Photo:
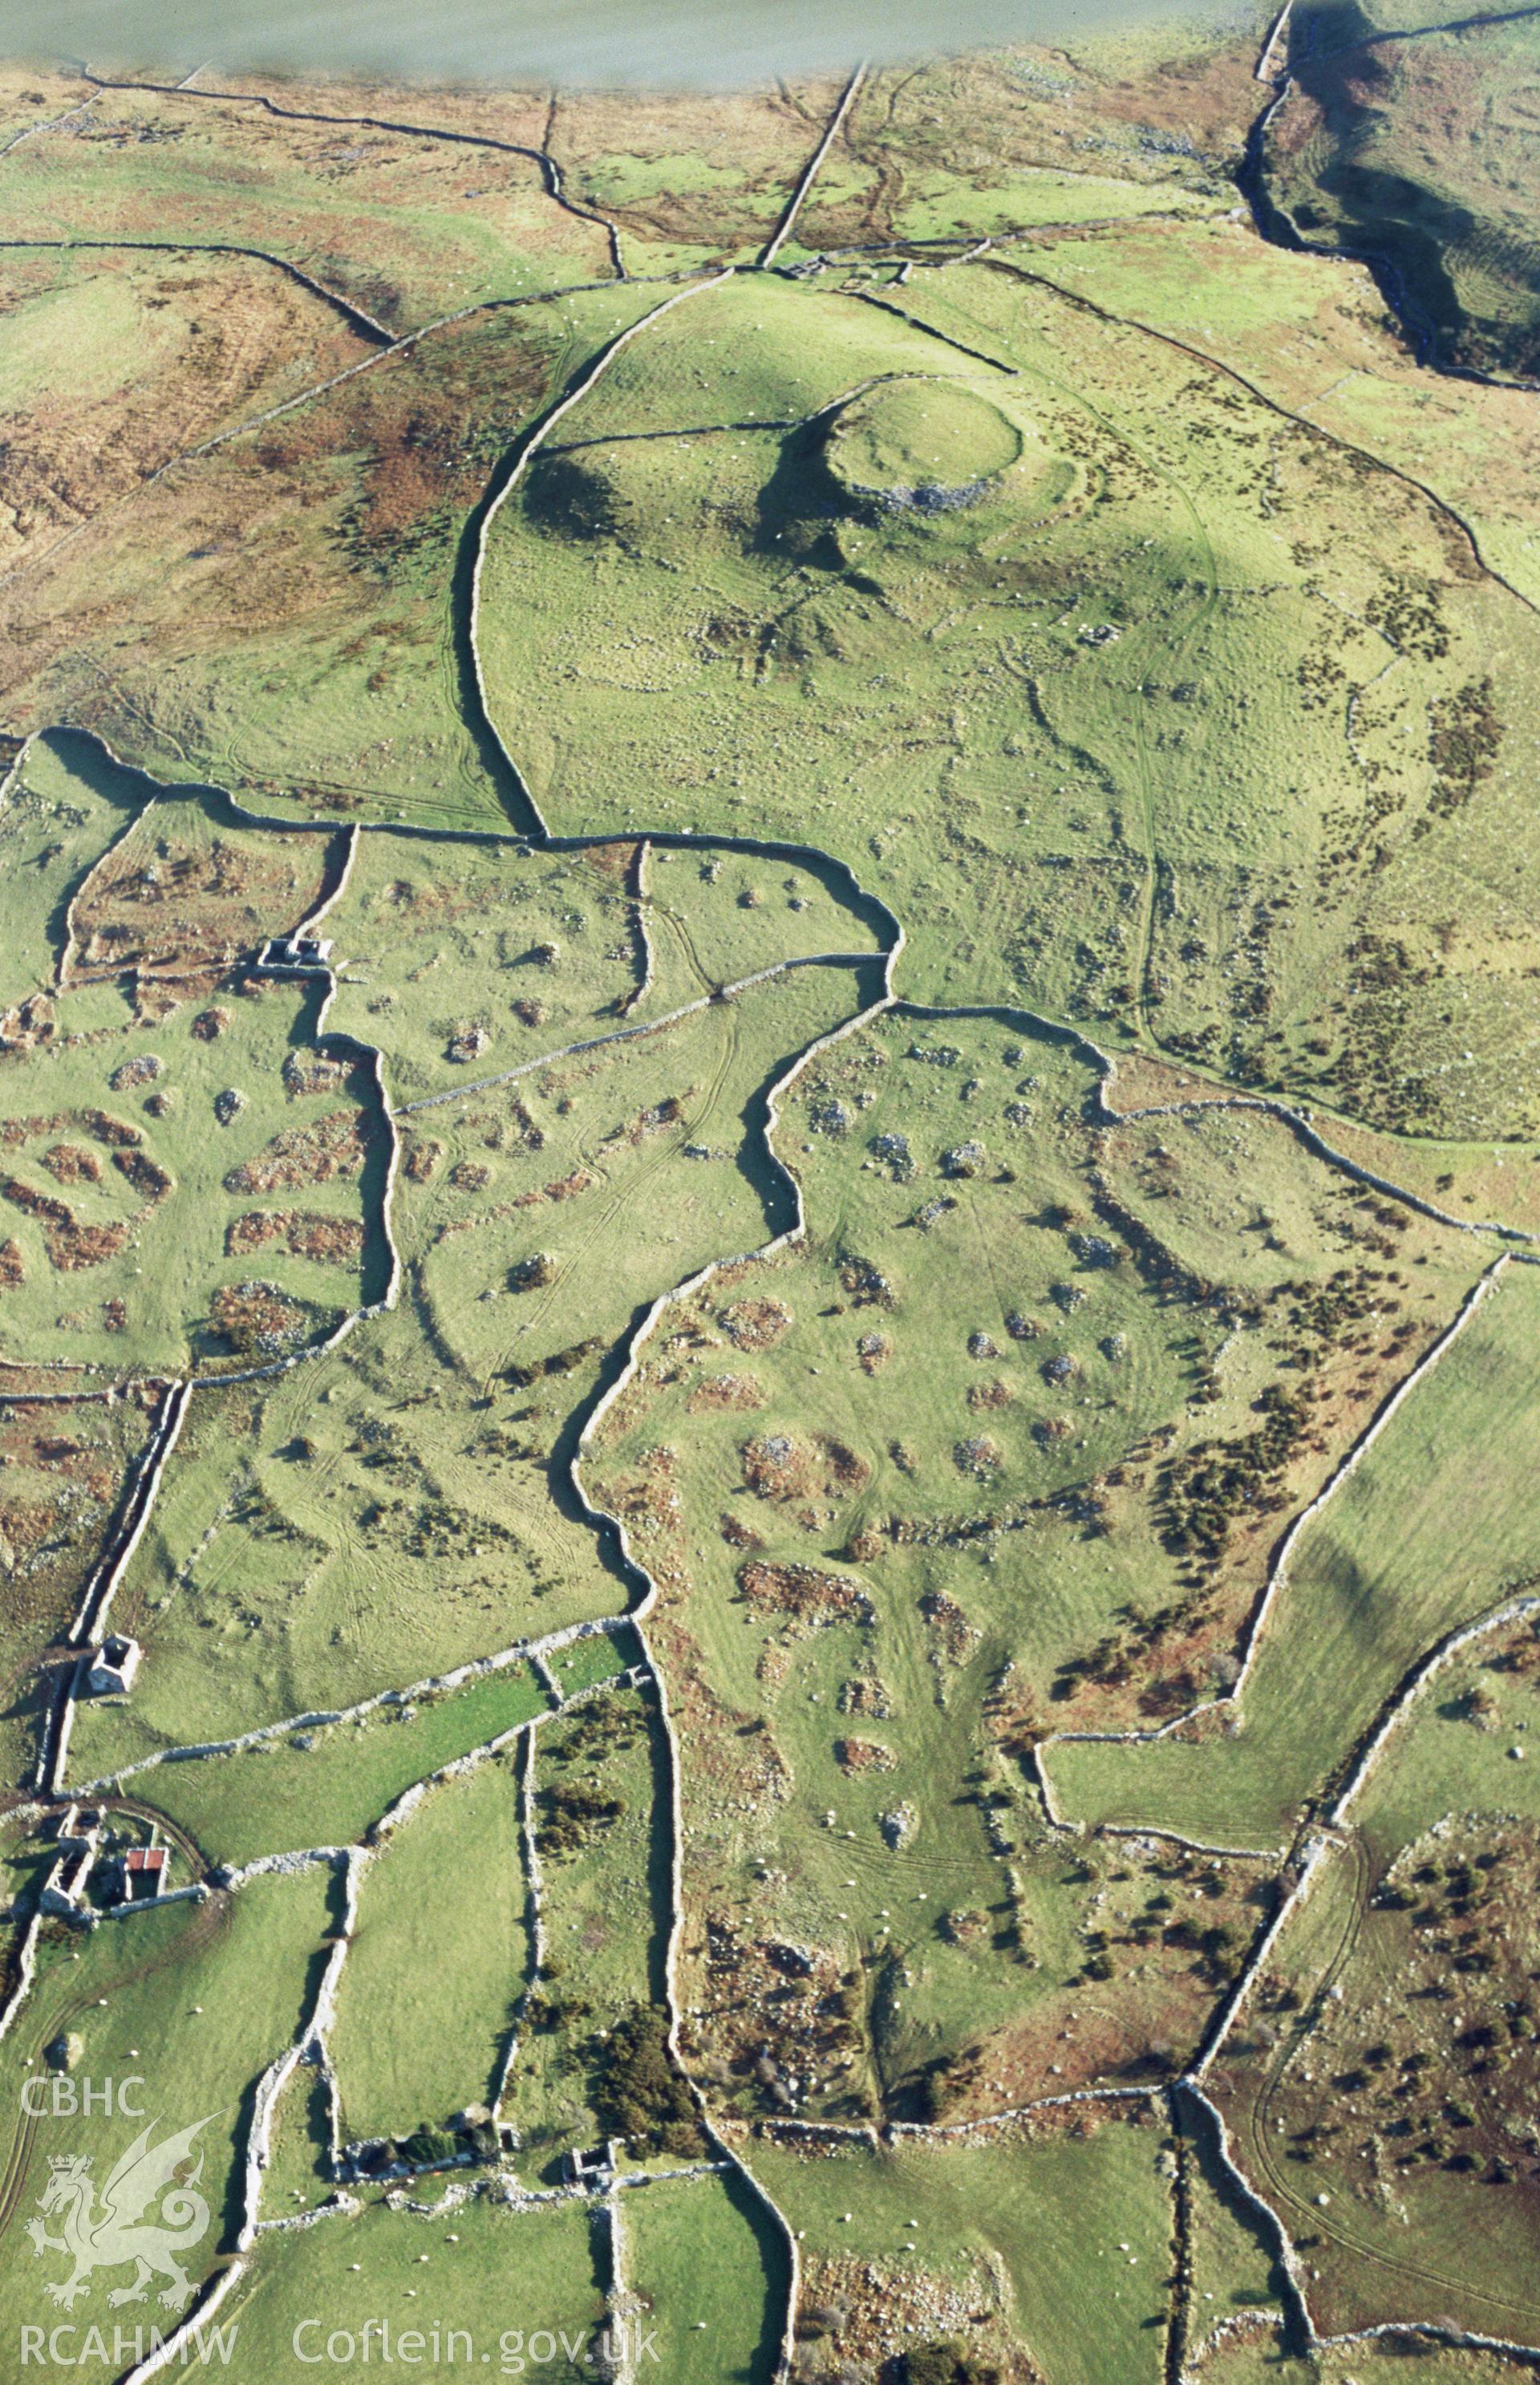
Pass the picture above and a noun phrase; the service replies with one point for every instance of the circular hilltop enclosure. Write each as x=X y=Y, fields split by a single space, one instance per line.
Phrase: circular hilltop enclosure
x=914 y=440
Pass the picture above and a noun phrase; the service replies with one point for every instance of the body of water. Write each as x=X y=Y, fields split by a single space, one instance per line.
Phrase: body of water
x=713 y=43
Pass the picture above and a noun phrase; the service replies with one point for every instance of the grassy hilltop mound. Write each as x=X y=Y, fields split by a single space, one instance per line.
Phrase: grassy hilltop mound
x=920 y=443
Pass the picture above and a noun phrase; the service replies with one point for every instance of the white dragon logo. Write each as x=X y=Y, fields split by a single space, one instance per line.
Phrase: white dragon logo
x=109 y=2238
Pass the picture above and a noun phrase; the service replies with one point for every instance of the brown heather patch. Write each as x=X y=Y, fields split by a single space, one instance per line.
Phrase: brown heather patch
x=70 y=1245
x=756 y=1324
x=156 y=999
x=149 y=1180
x=315 y=1074
x=12 y=1267
x=1141 y=1082
x=802 y=1591
x=31 y=1437
x=284 y=528
x=67 y=1164
x=422 y=440
x=617 y=861
x=647 y=1501
x=257 y=1317
x=774 y=1663
x=332 y=1241
x=97 y=1123
x=421 y=1160
x=210 y=1024
x=761 y=2008
x=783 y=1466
x=778 y=1466
x=564 y=1188
x=33 y=1204
x=15 y=1132
x=74 y=455
x=115 y=1133
x=866 y=1694
x=863 y=1755
x=76 y=1246
x=845 y=1471
x=1418 y=2076
x=726 y=1752
x=24 y=1525
x=47 y=1544
x=1210 y=95
x=530 y=1135
x=656 y=1119
x=334 y=1145
x=753 y=144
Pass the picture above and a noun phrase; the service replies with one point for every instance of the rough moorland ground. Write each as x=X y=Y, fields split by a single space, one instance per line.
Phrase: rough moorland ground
x=1399 y=140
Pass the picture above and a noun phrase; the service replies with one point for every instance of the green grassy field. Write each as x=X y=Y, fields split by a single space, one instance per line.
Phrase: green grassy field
x=948 y=1177
x=1453 y=1754
x=205 y=1225
x=955 y=148
x=433 y=1973
x=173 y=1115
x=1378 y=2123
x=196 y=2002
x=440 y=940
x=316 y=674
x=1313 y=344
x=1230 y=2269
x=280 y=1794
x=596 y=1658
x=499 y=2276
x=229 y=174
x=710 y=2273
x=1247 y=2362
x=298 y=2176
x=560 y=1207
